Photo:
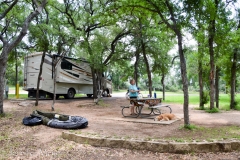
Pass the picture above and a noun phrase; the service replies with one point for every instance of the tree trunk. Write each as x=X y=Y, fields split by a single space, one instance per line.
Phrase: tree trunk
x=233 y=75
x=184 y=78
x=94 y=79
x=212 y=64
x=174 y=26
x=39 y=78
x=148 y=68
x=54 y=83
x=100 y=84
x=200 y=77
x=233 y=79
x=211 y=35
x=217 y=87
x=16 y=70
x=136 y=67
x=3 y=62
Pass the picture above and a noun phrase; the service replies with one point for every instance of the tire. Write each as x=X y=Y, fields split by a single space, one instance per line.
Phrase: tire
x=32 y=121
x=70 y=93
x=104 y=94
x=75 y=122
x=61 y=121
x=89 y=95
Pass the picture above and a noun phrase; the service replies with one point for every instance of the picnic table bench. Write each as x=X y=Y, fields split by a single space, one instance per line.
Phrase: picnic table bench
x=153 y=104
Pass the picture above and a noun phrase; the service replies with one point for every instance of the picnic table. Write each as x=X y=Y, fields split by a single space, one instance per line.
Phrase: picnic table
x=153 y=105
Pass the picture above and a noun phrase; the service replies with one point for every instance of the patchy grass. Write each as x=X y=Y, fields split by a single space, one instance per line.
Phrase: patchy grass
x=213 y=110
x=208 y=134
x=101 y=103
x=194 y=134
x=21 y=96
x=189 y=127
x=5 y=115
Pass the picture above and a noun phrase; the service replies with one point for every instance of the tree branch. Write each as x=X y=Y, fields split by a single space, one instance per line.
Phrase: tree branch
x=174 y=59
x=114 y=43
x=25 y=26
x=8 y=9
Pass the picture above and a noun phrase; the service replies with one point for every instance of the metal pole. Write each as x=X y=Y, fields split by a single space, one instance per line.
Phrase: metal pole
x=17 y=90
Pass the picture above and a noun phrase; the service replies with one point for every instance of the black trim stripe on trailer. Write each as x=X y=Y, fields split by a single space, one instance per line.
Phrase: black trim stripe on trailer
x=74 y=65
x=47 y=61
x=69 y=76
x=82 y=72
x=75 y=75
x=88 y=80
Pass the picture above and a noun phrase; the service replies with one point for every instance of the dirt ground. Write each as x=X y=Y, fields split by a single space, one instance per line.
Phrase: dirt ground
x=41 y=142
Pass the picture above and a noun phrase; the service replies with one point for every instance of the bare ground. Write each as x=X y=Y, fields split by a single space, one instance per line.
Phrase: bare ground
x=41 y=142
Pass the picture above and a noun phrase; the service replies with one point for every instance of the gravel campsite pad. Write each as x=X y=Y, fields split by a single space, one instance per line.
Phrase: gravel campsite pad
x=41 y=142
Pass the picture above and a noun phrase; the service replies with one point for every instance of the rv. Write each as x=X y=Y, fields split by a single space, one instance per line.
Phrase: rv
x=73 y=76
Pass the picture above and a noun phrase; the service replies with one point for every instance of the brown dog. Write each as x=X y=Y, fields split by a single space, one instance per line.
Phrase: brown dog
x=166 y=117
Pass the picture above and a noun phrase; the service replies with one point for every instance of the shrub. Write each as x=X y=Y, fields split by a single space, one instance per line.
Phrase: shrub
x=206 y=97
x=213 y=110
x=189 y=127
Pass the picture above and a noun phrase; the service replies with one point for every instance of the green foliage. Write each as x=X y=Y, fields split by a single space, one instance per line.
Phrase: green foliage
x=172 y=88
x=5 y=115
x=21 y=96
x=237 y=105
x=206 y=97
x=189 y=127
x=213 y=110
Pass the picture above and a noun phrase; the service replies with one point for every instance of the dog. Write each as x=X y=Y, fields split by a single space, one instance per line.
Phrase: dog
x=166 y=117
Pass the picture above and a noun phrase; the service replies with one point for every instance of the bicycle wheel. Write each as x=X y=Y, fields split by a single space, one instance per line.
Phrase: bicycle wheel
x=127 y=96
x=125 y=111
x=140 y=96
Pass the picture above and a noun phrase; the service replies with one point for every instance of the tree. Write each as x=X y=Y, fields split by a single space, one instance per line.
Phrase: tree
x=234 y=67
x=9 y=9
x=175 y=23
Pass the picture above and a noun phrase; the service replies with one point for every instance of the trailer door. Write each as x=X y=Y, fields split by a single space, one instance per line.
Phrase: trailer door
x=32 y=65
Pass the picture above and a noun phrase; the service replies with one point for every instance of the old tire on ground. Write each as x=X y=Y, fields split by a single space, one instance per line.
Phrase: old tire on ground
x=32 y=121
x=74 y=122
x=60 y=120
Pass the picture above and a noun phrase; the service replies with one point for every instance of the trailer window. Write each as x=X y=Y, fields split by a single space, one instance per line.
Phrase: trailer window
x=66 y=65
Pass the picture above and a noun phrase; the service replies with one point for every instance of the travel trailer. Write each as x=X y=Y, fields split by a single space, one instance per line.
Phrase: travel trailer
x=73 y=76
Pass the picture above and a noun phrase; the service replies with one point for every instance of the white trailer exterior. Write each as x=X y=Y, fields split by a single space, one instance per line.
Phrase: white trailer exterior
x=73 y=76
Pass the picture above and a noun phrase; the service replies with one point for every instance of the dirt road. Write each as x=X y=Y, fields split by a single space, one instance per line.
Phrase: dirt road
x=41 y=142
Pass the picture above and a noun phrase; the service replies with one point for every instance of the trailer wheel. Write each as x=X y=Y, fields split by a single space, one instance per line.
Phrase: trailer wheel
x=89 y=95
x=71 y=93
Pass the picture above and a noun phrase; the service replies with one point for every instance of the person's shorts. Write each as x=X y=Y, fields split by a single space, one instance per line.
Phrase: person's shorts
x=132 y=98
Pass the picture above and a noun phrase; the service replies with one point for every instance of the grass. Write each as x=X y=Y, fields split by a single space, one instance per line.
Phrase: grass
x=21 y=96
x=5 y=115
x=211 y=134
x=214 y=110
x=170 y=97
x=189 y=127
x=177 y=98
x=194 y=134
